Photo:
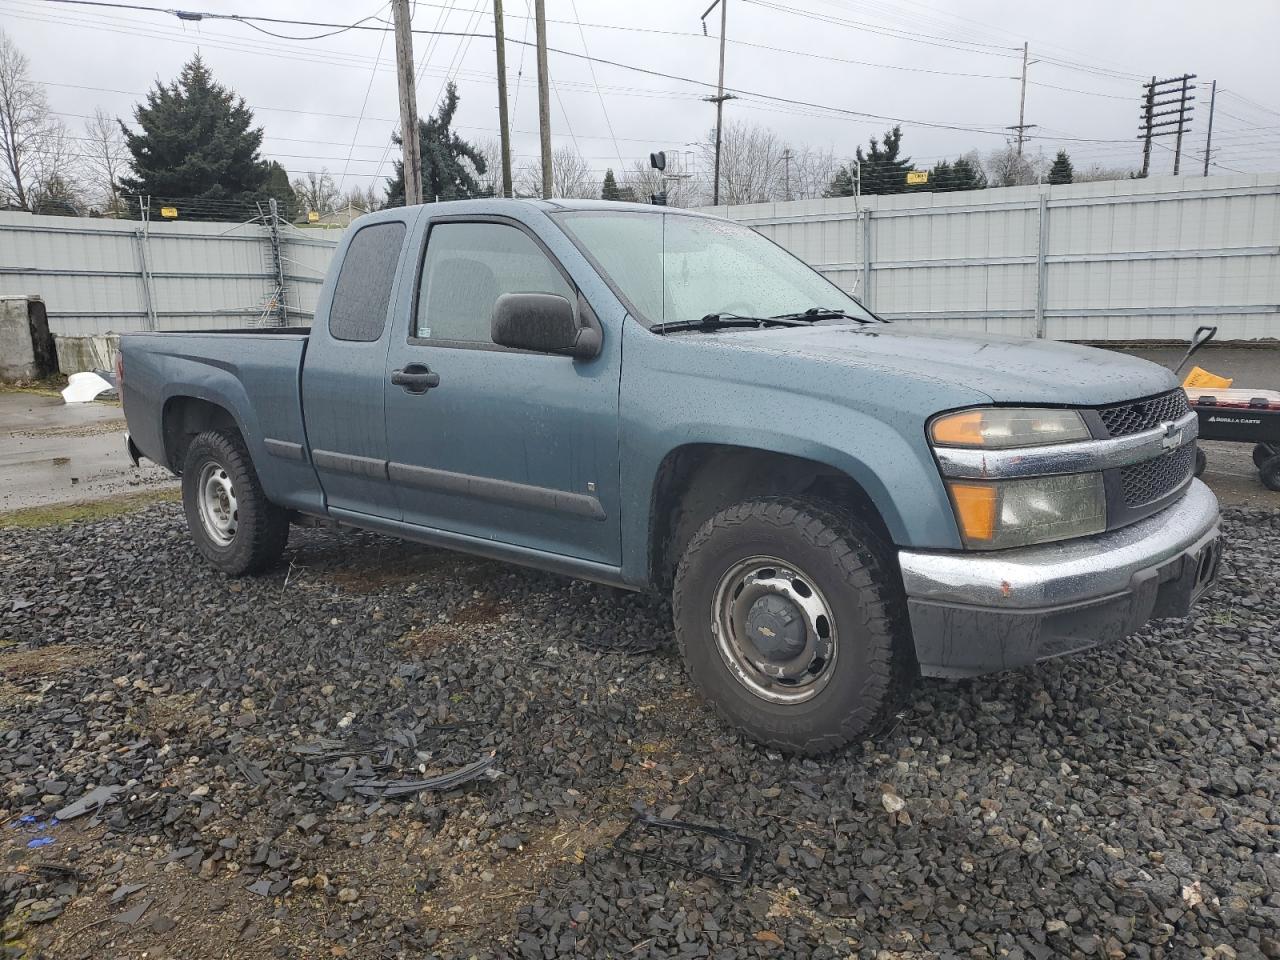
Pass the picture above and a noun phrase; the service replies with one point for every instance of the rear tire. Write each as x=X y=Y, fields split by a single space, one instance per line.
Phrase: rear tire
x=1201 y=462
x=234 y=526
x=1270 y=473
x=1262 y=453
x=792 y=622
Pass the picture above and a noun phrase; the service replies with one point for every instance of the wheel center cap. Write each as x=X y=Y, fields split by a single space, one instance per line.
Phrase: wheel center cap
x=776 y=628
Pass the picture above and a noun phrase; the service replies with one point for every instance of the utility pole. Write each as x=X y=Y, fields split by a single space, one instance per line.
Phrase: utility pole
x=1148 y=100
x=786 y=159
x=504 y=126
x=1208 y=137
x=720 y=96
x=411 y=149
x=1182 y=112
x=1177 y=91
x=1022 y=126
x=1022 y=100
x=544 y=96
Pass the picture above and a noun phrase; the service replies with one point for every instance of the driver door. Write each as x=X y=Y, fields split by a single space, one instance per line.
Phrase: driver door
x=491 y=442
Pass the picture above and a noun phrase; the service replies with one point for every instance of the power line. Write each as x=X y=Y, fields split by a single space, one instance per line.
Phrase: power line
x=591 y=66
x=363 y=106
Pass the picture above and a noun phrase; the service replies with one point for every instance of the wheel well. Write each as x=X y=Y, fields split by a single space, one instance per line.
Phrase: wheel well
x=187 y=417
x=699 y=480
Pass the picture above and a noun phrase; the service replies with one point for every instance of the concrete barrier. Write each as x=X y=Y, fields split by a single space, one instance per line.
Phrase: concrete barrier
x=80 y=354
x=27 y=350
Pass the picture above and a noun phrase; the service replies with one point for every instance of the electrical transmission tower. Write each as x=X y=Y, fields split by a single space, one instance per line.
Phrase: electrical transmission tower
x=1174 y=93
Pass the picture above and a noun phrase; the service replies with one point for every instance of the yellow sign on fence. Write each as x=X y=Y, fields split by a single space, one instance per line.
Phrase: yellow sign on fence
x=917 y=177
x=313 y=216
x=169 y=213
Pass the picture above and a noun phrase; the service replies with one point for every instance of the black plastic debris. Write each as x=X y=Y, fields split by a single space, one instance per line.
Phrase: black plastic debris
x=134 y=914
x=708 y=851
x=94 y=800
x=261 y=887
x=124 y=891
x=446 y=781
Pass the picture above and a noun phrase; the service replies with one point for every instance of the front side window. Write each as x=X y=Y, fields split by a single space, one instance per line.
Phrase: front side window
x=674 y=267
x=363 y=290
x=467 y=267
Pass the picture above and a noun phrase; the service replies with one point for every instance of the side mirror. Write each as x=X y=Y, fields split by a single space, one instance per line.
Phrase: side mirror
x=543 y=322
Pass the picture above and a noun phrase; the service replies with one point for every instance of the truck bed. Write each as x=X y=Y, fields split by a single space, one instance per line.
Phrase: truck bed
x=254 y=373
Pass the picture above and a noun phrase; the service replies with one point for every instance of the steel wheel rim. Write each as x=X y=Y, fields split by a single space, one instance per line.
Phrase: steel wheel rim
x=776 y=675
x=219 y=510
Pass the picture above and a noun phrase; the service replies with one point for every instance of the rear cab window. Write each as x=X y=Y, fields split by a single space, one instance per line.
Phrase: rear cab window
x=363 y=291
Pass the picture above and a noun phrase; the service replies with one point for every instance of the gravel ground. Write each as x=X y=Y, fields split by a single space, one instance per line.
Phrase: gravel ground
x=1120 y=803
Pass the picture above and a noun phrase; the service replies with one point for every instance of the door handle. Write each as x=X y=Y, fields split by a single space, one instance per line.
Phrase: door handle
x=415 y=378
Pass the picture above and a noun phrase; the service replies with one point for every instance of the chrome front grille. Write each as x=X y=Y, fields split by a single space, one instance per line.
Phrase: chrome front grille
x=1127 y=418
x=1147 y=482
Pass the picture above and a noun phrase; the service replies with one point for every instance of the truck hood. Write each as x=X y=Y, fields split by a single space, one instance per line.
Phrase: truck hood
x=1006 y=369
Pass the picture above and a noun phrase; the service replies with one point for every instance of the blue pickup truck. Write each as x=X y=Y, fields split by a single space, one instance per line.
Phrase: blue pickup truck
x=662 y=400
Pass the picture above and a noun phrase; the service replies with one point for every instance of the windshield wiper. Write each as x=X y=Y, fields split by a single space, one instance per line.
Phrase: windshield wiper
x=722 y=321
x=825 y=313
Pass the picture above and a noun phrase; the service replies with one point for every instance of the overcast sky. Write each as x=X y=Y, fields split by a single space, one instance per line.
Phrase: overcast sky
x=931 y=61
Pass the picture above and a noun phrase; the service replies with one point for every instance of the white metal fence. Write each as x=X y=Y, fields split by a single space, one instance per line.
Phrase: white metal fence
x=1114 y=260
x=100 y=276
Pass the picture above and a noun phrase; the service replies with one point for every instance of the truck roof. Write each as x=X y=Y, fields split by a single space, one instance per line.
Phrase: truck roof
x=495 y=204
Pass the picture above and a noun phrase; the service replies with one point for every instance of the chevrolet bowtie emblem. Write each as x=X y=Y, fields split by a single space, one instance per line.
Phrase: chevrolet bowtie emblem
x=1172 y=435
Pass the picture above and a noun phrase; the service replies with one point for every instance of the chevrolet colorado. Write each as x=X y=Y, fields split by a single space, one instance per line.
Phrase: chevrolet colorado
x=664 y=400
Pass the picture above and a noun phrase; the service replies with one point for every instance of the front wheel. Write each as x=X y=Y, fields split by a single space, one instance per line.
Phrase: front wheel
x=234 y=526
x=792 y=622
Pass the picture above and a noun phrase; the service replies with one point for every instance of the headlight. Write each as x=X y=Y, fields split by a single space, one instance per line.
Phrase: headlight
x=1015 y=513
x=1007 y=427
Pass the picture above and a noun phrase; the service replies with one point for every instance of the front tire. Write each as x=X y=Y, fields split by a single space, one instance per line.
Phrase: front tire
x=234 y=526
x=792 y=622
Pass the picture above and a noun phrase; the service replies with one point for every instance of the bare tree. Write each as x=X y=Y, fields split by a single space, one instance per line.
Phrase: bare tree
x=812 y=171
x=1096 y=171
x=1008 y=168
x=751 y=164
x=105 y=158
x=28 y=131
x=570 y=176
x=641 y=182
x=362 y=199
x=316 y=191
x=490 y=149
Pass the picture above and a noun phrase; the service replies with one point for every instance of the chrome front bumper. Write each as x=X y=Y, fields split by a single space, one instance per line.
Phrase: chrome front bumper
x=976 y=613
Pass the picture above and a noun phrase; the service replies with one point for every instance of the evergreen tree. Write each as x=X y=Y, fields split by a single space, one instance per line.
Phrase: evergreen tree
x=278 y=188
x=841 y=184
x=196 y=141
x=960 y=174
x=883 y=170
x=444 y=175
x=1061 y=171
x=610 y=190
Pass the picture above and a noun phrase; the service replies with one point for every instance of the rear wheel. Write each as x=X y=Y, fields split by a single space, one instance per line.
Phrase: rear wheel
x=1201 y=462
x=792 y=623
x=1270 y=473
x=1262 y=453
x=232 y=522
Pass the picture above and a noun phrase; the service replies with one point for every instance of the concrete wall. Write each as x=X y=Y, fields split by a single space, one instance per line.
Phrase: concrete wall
x=1113 y=260
x=79 y=354
x=26 y=347
x=110 y=276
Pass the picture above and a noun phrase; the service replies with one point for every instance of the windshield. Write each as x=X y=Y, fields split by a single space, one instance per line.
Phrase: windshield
x=674 y=267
